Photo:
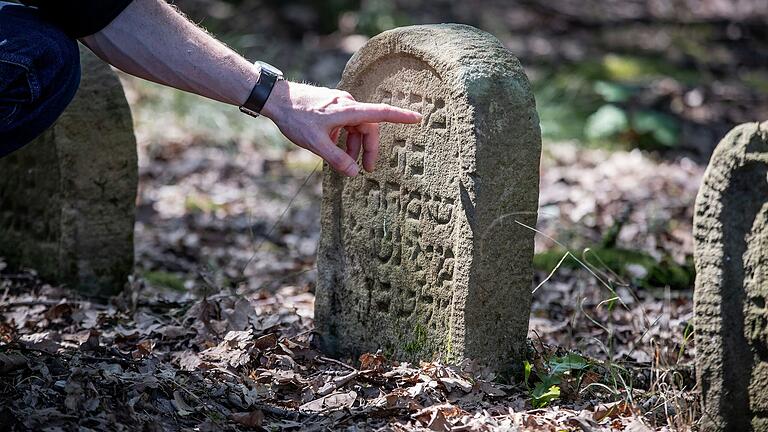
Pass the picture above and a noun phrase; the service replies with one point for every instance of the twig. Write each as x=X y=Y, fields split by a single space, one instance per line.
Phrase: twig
x=282 y=412
x=225 y=372
x=334 y=361
x=200 y=401
x=270 y=284
x=338 y=382
x=301 y=333
x=122 y=361
x=586 y=267
x=279 y=219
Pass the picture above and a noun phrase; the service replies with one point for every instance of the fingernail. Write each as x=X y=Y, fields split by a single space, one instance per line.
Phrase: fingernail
x=353 y=170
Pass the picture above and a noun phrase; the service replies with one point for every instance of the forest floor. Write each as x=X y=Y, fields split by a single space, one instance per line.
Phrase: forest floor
x=215 y=331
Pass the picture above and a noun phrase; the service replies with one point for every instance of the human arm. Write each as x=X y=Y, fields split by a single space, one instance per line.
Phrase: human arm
x=151 y=40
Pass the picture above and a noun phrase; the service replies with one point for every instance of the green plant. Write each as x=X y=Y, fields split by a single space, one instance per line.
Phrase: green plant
x=687 y=336
x=165 y=279
x=542 y=395
x=564 y=371
x=376 y=16
x=595 y=102
x=648 y=129
x=607 y=122
x=617 y=380
x=568 y=363
x=639 y=267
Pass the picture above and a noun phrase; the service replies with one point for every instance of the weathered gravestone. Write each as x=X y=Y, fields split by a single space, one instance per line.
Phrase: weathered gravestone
x=67 y=199
x=731 y=251
x=423 y=258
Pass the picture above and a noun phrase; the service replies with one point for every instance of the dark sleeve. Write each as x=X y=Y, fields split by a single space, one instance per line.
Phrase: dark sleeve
x=79 y=18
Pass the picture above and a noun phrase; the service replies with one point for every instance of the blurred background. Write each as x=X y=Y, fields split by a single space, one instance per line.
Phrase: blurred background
x=664 y=75
x=633 y=96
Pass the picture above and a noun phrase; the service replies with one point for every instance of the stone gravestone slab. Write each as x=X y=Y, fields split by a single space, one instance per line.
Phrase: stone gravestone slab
x=731 y=252
x=423 y=258
x=67 y=200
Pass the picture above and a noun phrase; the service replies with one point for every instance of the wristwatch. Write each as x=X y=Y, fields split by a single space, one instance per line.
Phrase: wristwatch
x=268 y=77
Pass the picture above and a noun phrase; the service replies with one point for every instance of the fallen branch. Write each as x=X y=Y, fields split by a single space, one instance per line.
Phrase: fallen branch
x=334 y=361
x=337 y=383
x=280 y=412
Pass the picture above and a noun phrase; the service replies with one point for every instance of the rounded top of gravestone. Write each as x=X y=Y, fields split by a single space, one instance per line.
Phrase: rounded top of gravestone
x=461 y=55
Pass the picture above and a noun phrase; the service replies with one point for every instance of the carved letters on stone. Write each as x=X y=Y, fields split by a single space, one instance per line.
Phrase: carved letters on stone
x=422 y=257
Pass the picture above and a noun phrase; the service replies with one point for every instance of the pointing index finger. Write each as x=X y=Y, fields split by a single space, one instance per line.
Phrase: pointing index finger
x=377 y=113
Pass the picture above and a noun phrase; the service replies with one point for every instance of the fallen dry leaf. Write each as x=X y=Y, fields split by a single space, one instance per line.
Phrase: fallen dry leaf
x=330 y=402
x=11 y=362
x=373 y=362
x=252 y=419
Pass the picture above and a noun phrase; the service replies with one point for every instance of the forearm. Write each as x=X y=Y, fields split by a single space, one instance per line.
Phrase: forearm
x=149 y=39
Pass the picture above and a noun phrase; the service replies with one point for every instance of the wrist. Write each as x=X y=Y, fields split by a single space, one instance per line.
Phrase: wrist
x=245 y=87
x=278 y=101
x=269 y=77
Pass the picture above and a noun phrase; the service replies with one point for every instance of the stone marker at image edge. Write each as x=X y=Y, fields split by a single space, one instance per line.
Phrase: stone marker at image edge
x=423 y=258
x=67 y=199
x=731 y=252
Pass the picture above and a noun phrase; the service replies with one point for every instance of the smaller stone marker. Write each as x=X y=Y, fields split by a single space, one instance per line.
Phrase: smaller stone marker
x=731 y=253
x=423 y=258
x=67 y=200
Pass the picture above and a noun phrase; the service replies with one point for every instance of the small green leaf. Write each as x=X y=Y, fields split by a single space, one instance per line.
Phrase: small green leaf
x=567 y=363
x=527 y=368
x=613 y=92
x=662 y=127
x=548 y=380
x=542 y=395
x=606 y=122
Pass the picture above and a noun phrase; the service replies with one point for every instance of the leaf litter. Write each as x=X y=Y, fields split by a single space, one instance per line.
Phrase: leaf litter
x=234 y=351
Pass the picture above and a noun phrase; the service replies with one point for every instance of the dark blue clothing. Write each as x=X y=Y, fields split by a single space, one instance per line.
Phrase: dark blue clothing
x=79 y=18
x=40 y=61
x=39 y=75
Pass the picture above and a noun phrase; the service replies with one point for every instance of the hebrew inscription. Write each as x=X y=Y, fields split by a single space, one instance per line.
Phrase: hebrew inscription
x=399 y=260
x=407 y=224
x=731 y=251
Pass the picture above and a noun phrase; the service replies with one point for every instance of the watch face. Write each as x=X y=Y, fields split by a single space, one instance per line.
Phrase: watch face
x=270 y=68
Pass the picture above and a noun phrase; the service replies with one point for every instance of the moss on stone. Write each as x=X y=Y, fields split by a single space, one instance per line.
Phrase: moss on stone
x=418 y=340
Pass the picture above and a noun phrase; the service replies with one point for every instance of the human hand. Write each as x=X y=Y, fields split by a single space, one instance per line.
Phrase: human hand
x=313 y=117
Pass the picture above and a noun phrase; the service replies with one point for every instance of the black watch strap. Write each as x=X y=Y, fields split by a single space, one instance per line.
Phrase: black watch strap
x=260 y=92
